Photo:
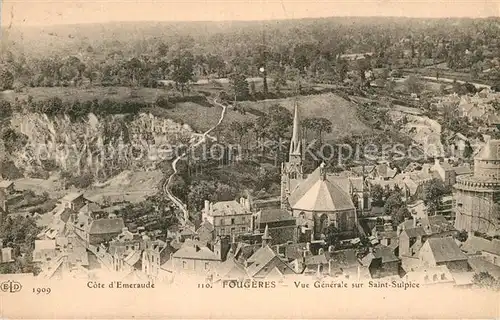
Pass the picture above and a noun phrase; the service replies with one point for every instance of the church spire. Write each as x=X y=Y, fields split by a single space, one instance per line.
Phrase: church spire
x=295 y=143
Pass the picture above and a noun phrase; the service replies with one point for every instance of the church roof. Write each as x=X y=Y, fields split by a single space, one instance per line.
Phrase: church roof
x=490 y=151
x=318 y=194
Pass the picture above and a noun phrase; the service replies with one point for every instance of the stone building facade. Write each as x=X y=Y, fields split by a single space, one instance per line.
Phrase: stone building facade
x=477 y=196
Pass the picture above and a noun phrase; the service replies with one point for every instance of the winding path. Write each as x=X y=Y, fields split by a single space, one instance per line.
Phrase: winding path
x=203 y=138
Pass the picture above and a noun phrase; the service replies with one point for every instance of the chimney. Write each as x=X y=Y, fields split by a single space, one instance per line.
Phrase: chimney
x=207 y=207
x=242 y=201
x=322 y=171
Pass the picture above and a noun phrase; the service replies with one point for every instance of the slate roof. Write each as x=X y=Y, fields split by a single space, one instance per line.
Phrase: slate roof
x=415 y=232
x=475 y=244
x=445 y=250
x=105 y=226
x=228 y=208
x=381 y=251
x=273 y=215
x=4 y=184
x=260 y=259
x=344 y=258
x=230 y=269
x=478 y=264
x=315 y=260
x=318 y=194
x=205 y=225
x=196 y=251
x=72 y=196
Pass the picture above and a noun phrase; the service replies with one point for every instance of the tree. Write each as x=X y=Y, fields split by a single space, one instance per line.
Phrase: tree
x=462 y=236
x=485 y=280
x=413 y=84
x=199 y=192
x=183 y=70
x=433 y=195
x=239 y=86
x=393 y=204
x=6 y=79
x=5 y=109
x=377 y=194
x=332 y=235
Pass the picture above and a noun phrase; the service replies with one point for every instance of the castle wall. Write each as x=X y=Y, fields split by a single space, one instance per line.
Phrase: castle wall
x=476 y=211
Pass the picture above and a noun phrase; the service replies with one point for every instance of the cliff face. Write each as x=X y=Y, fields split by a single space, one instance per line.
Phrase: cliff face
x=39 y=146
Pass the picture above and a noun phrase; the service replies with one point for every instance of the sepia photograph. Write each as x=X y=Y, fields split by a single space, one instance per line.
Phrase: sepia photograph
x=249 y=159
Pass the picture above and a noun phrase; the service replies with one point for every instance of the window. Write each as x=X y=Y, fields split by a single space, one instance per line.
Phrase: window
x=184 y=264
x=222 y=231
x=243 y=229
x=435 y=277
x=206 y=265
x=232 y=221
x=221 y=221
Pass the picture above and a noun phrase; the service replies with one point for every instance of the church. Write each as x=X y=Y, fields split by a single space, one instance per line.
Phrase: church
x=316 y=200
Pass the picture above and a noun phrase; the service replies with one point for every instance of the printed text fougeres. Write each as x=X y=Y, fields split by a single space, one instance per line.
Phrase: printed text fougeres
x=119 y=285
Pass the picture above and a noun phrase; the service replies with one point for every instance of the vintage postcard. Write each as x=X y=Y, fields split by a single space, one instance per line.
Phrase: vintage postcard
x=249 y=159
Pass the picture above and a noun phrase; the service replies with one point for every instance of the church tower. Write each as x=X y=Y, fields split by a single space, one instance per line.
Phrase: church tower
x=292 y=169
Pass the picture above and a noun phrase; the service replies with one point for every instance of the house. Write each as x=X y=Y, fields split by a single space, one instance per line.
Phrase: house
x=230 y=270
x=281 y=225
x=384 y=172
x=381 y=262
x=45 y=250
x=413 y=233
x=445 y=171
x=342 y=262
x=74 y=201
x=443 y=251
x=458 y=143
x=386 y=234
x=489 y=250
x=228 y=217
x=7 y=186
x=206 y=232
x=6 y=255
x=478 y=264
x=104 y=230
x=265 y=263
x=438 y=275
x=196 y=258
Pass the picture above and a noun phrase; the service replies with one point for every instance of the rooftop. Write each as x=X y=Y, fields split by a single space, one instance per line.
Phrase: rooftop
x=228 y=208
x=108 y=225
x=445 y=250
x=273 y=215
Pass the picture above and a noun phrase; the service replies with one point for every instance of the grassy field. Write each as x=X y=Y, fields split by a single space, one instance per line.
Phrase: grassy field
x=339 y=111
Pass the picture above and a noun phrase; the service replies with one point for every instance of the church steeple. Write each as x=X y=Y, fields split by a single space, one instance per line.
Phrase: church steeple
x=295 y=143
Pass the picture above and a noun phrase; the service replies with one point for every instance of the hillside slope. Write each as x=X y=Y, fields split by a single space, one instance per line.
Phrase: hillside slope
x=339 y=111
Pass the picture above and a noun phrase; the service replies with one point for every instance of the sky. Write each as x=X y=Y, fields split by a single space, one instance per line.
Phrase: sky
x=52 y=12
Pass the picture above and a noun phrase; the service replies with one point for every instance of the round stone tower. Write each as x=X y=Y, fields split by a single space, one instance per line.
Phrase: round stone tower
x=477 y=196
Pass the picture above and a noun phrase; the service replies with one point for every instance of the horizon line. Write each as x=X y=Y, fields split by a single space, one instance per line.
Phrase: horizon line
x=257 y=20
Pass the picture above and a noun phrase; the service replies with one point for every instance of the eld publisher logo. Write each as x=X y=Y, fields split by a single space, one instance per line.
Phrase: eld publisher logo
x=11 y=286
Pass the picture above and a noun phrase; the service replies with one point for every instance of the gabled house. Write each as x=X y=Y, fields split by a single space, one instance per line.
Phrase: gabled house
x=265 y=263
x=489 y=250
x=381 y=262
x=443 y=251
